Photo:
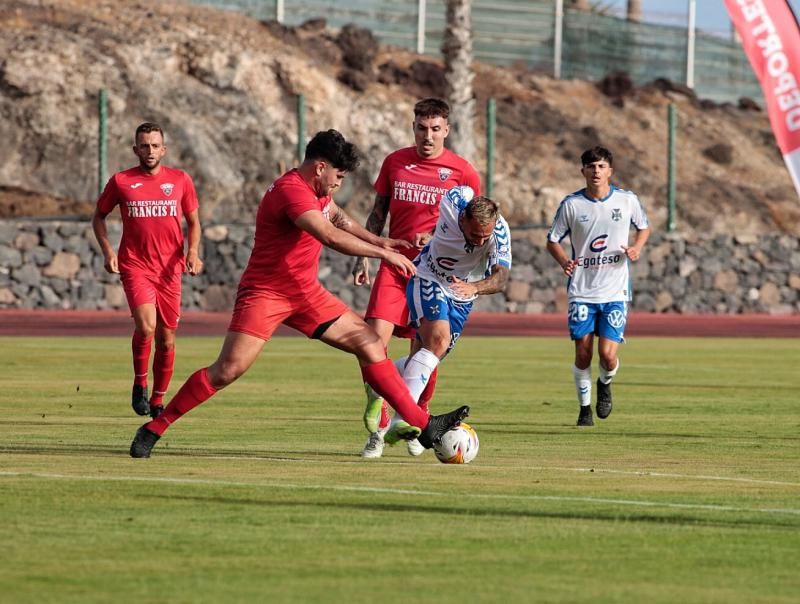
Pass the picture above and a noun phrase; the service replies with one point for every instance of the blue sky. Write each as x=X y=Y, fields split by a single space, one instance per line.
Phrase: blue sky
x=711 y=14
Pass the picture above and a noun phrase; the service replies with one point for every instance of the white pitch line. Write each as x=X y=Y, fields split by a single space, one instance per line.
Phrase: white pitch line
x=536 y=468
x=392 y=491
x=669 y=475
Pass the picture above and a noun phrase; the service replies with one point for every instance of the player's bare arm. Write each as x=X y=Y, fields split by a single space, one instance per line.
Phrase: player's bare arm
x=496 y=282
x=194 y=265
x=318 y=226
x=565 y=262
x=633 y=252
x=110 y=261
x=376 y=221
x=341 y=220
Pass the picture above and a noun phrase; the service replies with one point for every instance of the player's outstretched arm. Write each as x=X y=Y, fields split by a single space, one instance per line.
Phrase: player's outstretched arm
x=318 y=226
x=342 y=220
x=110 y=261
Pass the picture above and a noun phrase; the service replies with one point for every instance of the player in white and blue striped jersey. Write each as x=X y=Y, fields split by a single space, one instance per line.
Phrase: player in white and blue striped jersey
x=468 y=255
x=597 y=220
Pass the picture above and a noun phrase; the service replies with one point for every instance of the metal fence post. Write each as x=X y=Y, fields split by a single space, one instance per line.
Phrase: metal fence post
x=690 y=39
x=301 y=128
x=421 y=18
x=491 y=119
x=671 y=185
x=102 y=128
x=557 y=39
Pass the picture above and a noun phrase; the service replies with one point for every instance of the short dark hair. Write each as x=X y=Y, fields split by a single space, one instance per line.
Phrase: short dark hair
x=330 y=145
x=432 y=107
x=597 y=153
x=146 y=128
x=482 y=209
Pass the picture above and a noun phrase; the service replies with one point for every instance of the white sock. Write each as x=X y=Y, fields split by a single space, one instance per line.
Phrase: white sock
x=583 y=385
x=418 y=370
x=400 y=364
x=605 y=375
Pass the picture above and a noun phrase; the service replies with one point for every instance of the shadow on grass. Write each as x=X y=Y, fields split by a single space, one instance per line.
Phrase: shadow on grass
x=489 y=428
x=163 y=449
x=681 y=519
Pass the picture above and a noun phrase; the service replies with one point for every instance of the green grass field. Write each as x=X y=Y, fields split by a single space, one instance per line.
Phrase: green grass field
x=689 y=492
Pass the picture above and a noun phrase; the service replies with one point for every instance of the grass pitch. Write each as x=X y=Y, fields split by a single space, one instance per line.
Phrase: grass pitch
x=687 y=493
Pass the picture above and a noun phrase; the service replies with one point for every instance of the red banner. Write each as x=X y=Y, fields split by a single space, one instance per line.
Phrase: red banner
x=771 y=39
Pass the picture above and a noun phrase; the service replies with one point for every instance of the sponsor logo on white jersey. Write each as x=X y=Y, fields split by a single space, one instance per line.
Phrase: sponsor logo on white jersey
x=599 y=243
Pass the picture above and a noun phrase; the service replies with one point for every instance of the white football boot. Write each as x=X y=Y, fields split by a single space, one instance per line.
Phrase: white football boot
x=415 y=448
x=374 y=447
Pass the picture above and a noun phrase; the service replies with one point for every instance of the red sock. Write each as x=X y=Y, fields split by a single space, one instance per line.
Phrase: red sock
x=163 y=365
x=196 y=390
x=386 y=381
x=427 y=394
x=384 y=421
x=141 y=358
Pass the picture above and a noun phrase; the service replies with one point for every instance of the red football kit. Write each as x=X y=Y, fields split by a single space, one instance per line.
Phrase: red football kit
x=415 y=186
x=151 y=252
x=280 y=284
x=152 y=208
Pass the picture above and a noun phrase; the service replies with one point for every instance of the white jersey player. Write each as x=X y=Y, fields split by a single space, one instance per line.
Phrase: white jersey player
x=449 y=257
x=468 y=255
x=597 y=221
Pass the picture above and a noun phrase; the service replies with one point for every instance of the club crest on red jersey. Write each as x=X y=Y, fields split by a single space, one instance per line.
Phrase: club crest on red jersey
x=444 y=173
x=167 y=188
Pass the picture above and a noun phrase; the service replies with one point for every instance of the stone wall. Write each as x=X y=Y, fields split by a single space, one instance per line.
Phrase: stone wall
x=58 y=265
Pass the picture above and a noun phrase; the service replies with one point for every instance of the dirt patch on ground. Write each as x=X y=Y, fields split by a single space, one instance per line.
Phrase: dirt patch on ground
x=19 y=203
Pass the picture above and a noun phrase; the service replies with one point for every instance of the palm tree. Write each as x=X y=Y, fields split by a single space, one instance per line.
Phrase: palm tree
x=457 y=52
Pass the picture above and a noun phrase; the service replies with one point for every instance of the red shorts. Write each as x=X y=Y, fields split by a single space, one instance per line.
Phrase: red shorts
x=258 y=313
x=163 y=292
x=388 y=301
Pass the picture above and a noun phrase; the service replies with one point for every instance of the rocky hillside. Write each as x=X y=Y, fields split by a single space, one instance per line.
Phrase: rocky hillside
x=224 y=86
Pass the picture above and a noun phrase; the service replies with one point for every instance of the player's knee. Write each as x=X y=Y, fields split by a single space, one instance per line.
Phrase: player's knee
x=609 y=361
x=370 y=350
x=145 y=330
x=438 y=345
x=224 y=374
x=583 y=359
x=166 y=343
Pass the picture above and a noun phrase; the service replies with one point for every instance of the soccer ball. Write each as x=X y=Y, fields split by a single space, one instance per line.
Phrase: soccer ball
x=458 y=445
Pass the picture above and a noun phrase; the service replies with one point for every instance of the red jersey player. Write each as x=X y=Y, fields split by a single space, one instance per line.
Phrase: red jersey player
x=296 y=217
x=153 y=199
x=410 y=185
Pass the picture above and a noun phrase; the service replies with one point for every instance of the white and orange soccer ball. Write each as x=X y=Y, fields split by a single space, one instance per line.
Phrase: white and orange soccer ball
x=459 y=445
